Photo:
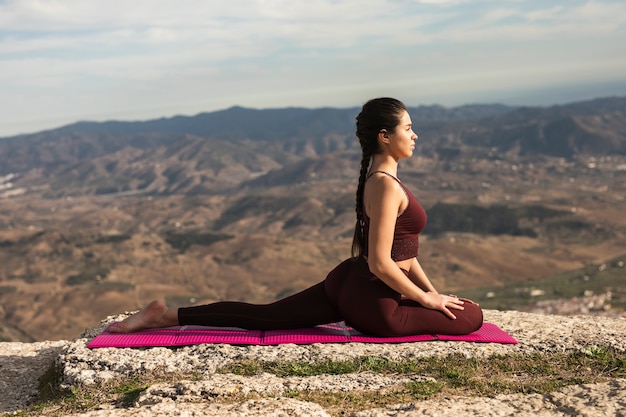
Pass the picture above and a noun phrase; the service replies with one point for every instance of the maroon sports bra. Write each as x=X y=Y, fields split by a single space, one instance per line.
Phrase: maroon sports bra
x=409 y=224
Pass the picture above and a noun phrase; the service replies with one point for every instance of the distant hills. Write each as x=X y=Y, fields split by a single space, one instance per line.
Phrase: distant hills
x=212 y=152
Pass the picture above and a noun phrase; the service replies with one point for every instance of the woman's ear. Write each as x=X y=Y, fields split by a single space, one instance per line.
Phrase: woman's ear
x=383 y=136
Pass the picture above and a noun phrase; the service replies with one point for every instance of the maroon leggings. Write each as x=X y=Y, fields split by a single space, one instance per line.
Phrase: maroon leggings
x=350 y=292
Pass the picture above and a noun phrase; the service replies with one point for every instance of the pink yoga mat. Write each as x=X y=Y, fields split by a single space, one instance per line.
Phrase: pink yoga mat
x=328 y=333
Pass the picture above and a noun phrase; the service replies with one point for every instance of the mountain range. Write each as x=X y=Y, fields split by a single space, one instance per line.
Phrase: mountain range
x=237 y=146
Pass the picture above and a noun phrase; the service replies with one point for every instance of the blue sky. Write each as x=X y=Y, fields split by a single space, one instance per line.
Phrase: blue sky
x=67 y=60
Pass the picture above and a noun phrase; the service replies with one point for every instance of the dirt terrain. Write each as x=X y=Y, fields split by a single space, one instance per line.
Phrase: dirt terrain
x=68 y=262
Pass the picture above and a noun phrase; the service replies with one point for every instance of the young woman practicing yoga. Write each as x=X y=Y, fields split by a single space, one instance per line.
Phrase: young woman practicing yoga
x=382 y=290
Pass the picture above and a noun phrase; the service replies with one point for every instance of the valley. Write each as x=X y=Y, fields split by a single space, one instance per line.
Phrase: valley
x=91 y=232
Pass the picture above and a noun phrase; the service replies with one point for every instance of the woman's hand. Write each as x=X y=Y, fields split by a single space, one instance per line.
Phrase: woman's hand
x=443 y=303
x=467 y=300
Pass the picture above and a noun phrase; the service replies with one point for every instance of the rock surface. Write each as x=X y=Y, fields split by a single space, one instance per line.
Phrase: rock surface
x=23 y=363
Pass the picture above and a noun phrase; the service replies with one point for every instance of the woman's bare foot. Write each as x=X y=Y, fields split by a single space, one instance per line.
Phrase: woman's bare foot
x=154 y=315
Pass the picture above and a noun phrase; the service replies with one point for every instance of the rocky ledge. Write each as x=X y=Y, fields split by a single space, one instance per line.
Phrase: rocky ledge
x=208 y=393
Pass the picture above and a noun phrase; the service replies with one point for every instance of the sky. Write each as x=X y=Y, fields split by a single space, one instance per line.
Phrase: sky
x=63 y=61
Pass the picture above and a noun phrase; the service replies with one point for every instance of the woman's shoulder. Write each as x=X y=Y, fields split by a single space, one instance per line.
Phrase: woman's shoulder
x=382 y=174
x=382 y=177
x=383 y=188
x=383 y=180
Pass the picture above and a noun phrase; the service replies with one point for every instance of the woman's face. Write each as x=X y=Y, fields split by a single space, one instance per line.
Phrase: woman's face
x=402 y=139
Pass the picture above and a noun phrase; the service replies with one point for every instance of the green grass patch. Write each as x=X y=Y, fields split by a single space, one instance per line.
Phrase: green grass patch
x=596 y=278
x=113 y=238
x=130 y=390
x=182 y=241
x=493 y=220
x=490 y=376
x=52 y=400
x=7 y=289
x=88 y=275
x=104 y=286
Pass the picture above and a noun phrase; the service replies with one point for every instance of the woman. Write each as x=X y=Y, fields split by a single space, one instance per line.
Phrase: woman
x=382 y=290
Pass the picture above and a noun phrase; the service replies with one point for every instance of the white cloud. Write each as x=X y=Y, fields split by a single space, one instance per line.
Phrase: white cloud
x=120 y=57
x=442 y=2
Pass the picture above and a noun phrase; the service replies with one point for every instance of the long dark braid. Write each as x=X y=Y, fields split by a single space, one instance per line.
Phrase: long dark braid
x=377 y=114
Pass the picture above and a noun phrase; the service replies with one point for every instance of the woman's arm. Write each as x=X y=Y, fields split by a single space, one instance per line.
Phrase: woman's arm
x=419 y=277
x=383 y=200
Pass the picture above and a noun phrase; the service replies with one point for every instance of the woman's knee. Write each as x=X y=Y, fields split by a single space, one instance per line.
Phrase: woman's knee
x=472 y=317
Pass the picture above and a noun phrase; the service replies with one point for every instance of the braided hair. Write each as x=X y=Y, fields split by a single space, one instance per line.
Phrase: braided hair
x=376 y=115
